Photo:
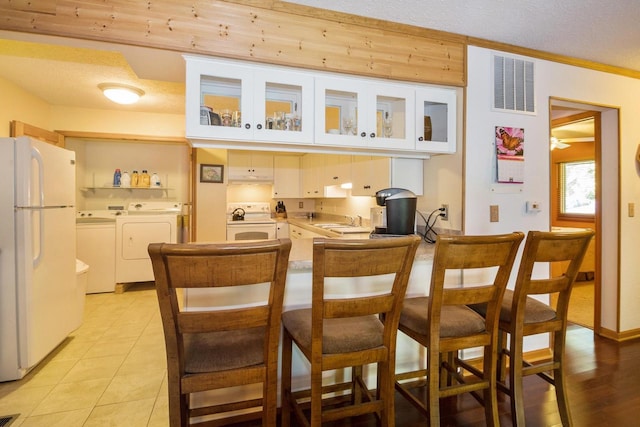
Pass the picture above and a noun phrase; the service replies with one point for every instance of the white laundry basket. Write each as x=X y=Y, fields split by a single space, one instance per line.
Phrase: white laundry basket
x=82 y=271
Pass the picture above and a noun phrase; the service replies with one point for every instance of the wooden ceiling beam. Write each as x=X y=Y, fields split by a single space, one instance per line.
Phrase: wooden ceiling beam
x=272 y=32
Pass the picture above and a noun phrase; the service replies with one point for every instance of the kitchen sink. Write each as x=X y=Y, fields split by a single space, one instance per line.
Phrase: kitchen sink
x=329 y=225
x=349 y=229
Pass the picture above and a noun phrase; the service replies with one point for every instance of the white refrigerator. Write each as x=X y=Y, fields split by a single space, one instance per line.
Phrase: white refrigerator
x=38 y=296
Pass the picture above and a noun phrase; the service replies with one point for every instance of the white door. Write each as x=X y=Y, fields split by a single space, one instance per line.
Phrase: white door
x=45 y=174
x=47 y=309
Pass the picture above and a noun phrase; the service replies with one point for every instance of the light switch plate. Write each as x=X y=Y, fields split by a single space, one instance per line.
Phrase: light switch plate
x=494 y=213
x=632 y=209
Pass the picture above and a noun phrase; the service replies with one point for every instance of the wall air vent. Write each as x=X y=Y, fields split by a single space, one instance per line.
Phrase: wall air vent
x=513 y=84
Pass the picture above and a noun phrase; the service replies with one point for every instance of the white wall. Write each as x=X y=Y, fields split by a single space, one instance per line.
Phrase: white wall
x=22 y=106
x=580 y=85
x=96 y=161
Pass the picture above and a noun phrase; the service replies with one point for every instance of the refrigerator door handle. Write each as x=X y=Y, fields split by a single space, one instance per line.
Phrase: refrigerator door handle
x=35 y=155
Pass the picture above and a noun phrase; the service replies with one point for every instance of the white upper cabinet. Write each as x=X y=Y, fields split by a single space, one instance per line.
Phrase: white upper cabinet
x=250 y=166
x=287 y=177
x=359 y=113
x=229 y=101
x=232 y=103
x=436 y=120
x=373 y=173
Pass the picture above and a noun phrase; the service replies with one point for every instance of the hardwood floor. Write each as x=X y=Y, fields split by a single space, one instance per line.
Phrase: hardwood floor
x=604 y=390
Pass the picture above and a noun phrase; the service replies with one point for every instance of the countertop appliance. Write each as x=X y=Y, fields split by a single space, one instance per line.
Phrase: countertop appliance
x=237 y=214
x=400 y=206
x=256 y=225
x=38 y=302
x=144 y=223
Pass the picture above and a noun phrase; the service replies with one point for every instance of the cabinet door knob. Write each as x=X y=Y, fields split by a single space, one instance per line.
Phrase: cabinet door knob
x=247 y=126
x=363 y=134
x=372 y=135
x=421 y=138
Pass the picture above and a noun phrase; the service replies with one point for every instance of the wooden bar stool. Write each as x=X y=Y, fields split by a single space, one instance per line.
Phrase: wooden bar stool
x=521 y=315
x=443 y=323
x=343 y=331
x=221 y=348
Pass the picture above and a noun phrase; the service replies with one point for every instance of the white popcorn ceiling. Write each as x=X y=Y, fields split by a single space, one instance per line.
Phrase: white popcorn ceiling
x=607 y=32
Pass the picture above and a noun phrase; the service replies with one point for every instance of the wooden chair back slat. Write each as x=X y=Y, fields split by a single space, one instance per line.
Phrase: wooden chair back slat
x=353 y=307
x=190 y=322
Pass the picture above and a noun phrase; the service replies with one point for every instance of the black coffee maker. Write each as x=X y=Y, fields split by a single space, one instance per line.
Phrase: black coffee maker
x=400 y=206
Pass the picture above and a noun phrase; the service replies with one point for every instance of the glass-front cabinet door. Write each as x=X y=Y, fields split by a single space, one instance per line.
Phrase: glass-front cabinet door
x=338 y=112
x=394 y=117
x=436 y=120
x=283 y=107
x=237 y=102
x=355 y=113
x=219 y=100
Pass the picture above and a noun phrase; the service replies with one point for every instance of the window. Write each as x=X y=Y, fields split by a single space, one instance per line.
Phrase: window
x=577 y=189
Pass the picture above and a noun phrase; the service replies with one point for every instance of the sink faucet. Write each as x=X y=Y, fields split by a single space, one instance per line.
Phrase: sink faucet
x=359 y=220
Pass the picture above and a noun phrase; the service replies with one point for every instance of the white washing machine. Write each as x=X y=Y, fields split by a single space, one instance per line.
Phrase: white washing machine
x=96 y=246
x=146 y=222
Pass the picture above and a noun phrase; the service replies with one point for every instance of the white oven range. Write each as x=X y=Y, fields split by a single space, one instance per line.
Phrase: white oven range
x=250 y=221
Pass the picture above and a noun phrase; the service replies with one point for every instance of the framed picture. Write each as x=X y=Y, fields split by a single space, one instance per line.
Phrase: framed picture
x=212 y=173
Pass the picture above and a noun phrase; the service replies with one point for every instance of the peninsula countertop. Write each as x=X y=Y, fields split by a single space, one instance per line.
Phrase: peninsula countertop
x=302 y=253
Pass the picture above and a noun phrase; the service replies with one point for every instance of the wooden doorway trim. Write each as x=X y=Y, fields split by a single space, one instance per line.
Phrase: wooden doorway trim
x=24 y=129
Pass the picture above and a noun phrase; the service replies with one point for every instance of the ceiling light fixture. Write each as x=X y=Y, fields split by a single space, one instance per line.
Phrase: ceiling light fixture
x=121 y=94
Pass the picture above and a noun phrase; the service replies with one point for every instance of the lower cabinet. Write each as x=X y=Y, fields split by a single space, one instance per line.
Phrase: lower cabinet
x=282 y=230
x=296 y=232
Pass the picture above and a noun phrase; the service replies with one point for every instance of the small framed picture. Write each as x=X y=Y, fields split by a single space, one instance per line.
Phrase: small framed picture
x=211 y=173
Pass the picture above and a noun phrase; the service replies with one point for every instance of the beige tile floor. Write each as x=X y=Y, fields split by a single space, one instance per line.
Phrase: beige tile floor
x=109 y=372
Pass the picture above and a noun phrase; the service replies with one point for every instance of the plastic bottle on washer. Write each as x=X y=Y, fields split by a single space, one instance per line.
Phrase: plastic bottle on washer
x=155 y=180
x=116 y=178
x=125 y=180
x=144 y=180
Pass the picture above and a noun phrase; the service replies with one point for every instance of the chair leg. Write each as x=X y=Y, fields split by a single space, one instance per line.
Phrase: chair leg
x=386 y=392
x=316 y=396
x=515 y=381
x=433 y=398
x=356 y=392
x=491 y=393
x=559 y=380
x=502 y=360
x=270 y=395
x=285 y=395
x=178 y=406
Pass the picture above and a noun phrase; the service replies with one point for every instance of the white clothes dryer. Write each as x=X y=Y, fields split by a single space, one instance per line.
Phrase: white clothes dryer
x=146 y=223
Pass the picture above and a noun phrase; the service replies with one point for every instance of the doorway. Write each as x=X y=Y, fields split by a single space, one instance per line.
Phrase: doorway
x=573 y=197
x=576 y=198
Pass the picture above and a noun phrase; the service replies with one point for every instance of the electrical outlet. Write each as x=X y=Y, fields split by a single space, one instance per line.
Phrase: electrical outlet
x=632 y=209
x=494 y=213
x=300 y=205
x=444 y=212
